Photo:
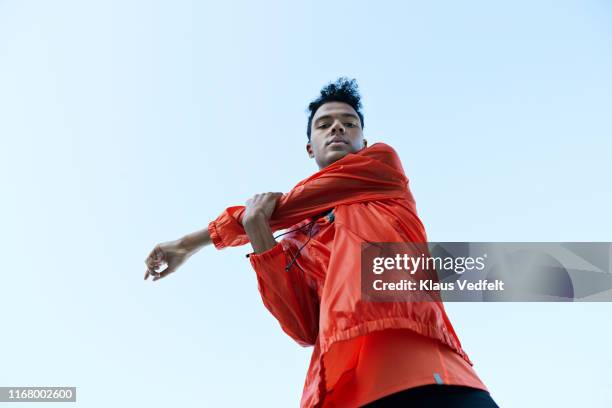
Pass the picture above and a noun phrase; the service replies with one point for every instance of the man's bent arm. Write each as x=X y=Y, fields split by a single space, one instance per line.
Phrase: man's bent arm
x=289 y=296
x=259 y=232
x=375 y=174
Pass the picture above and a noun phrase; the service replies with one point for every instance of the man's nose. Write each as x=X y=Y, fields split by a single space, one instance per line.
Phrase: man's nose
x=337 y=127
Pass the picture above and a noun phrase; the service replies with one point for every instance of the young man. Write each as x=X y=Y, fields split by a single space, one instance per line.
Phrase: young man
x=375 y=354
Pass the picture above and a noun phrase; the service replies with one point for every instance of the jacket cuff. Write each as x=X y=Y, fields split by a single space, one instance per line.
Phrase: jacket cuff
x=266 y=257
x=214 y=235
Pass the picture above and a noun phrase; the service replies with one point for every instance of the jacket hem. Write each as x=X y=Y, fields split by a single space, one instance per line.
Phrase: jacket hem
x=395 y=323
x=369 y=327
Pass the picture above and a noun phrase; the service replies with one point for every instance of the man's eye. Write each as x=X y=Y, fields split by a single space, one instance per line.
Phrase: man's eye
x=350 y=124
x=322 y=125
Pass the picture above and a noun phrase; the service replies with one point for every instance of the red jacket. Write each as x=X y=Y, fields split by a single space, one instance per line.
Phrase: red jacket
x=317 y=301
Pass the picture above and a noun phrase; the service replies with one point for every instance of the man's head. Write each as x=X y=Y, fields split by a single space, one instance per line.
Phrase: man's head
x=335 y=125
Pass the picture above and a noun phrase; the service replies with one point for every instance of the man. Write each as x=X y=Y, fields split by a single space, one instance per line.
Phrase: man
x=365 y=353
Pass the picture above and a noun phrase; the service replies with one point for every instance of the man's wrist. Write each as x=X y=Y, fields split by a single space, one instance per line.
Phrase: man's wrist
x=188 y=243
x=257 y=228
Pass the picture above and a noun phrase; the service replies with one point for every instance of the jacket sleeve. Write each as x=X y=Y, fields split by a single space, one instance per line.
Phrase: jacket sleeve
x=290 y=296
x=374 y=173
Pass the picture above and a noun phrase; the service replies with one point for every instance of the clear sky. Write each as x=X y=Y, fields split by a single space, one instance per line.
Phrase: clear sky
x=128 y=123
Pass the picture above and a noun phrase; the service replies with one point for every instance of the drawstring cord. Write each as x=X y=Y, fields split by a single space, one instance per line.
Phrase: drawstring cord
x=331 y=218
x=287 y=232
x=297 y=229
x=302 y=247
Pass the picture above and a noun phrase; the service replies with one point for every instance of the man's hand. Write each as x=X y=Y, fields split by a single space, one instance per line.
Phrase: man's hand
x=171 y=253
x=258 y=211
x=260 y=206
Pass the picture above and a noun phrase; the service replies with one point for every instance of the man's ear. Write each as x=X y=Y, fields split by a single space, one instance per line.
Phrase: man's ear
x=309 y=150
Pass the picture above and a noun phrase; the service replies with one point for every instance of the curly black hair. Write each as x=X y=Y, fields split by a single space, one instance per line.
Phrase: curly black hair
x=342 y=90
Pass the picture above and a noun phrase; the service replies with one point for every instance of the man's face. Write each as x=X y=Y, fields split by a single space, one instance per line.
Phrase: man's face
x=335 y=132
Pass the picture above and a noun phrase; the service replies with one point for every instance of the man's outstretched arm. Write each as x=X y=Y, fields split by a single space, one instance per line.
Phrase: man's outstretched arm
x=373 y=174
x=174 y=253
x=256 y=225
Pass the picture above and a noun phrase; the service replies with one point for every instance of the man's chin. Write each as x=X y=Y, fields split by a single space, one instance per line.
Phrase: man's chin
x=334 y=156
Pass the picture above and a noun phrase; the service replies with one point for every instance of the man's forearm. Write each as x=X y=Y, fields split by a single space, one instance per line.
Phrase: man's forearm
x=196 y=240
x=256 y=227
x=259 y=232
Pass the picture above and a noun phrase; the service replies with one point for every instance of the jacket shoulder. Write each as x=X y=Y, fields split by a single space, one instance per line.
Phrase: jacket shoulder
x=384 y=153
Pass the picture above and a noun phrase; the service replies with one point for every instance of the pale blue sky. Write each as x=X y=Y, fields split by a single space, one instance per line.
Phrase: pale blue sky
x=128 y=123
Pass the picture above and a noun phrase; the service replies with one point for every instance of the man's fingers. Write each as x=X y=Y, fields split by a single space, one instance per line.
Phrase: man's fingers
x=154 y=257
x=151 y=272
x=153 y=252
x=150 y=268
x=159 y=254
x=163 y=274
x=153 y=261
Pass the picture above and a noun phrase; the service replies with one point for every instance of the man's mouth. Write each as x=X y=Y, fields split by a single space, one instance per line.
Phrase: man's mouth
x=337 y=140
